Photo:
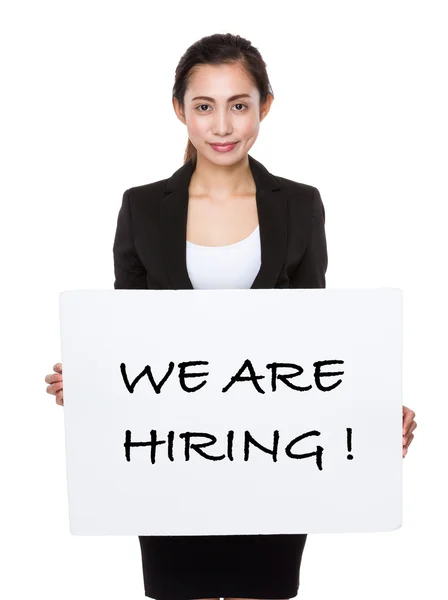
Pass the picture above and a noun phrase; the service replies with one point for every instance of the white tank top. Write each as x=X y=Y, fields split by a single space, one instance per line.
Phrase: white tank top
x=220 y=267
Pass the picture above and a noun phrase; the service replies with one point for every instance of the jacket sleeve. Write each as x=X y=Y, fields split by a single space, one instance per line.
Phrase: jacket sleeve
x=129 y=270
x=310 y=273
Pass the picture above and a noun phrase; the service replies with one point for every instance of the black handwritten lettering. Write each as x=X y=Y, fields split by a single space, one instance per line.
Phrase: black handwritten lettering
x=146 y=371
x=153 y=443
x=197 y=446
x=252 y=377
x=318 y=374
x=317 y=454
x=284 y=378
x=249 y=439
x=183 y=375
x=190 y=438
x=238 y=377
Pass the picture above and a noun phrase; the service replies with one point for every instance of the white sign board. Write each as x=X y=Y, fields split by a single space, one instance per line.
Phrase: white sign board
x=222 y=412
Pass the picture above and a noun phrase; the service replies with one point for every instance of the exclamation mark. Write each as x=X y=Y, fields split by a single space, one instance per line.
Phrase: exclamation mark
x=349 y=443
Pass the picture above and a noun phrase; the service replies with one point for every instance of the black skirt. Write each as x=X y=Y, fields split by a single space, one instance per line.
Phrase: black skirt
x=222 y=566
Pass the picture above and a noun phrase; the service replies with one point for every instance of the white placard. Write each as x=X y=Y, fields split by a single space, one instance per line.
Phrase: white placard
x=287 y=420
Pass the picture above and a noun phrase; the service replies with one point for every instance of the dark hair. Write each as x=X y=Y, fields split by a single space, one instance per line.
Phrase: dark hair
x=217 y=49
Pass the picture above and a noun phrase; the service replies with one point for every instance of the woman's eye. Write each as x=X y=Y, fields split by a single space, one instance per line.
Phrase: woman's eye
x=202 y=105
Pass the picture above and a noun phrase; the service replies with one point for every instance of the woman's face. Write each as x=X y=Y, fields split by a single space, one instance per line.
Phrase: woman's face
x=213 y=112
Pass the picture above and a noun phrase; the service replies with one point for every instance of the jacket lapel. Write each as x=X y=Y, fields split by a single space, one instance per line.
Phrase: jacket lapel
x=272 y=218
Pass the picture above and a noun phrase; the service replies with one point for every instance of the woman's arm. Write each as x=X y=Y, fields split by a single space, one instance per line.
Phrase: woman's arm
x=129 y=270
x=312 y=268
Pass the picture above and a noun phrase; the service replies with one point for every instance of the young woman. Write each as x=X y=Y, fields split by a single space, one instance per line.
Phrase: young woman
x=221 y=221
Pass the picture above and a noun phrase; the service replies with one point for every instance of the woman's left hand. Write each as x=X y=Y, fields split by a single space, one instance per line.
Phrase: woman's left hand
x=408 y=427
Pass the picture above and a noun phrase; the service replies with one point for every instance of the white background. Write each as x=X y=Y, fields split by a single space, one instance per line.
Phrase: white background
x=359 y=112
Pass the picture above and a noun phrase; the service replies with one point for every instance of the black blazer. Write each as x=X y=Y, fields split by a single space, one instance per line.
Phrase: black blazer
x=150 y=241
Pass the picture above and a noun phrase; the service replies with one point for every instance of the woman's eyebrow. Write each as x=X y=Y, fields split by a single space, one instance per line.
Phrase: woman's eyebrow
x=228 y=99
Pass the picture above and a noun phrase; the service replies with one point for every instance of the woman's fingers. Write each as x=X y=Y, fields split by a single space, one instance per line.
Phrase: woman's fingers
x=54 y=388
x=56 y=384
x=60 y=398
x=53 y=378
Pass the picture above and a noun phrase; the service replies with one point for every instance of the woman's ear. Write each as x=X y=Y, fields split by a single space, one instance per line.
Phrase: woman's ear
x=178 y=111
x=266 y=106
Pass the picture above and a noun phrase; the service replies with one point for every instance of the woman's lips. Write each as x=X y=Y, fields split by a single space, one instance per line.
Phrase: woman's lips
x=225 y=148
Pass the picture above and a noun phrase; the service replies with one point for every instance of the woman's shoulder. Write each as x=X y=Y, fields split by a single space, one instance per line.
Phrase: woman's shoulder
x=301 y=196
x=146 y=197
x=146 y=190
x=297 y=186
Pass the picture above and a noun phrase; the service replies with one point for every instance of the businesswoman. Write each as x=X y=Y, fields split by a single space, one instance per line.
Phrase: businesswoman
x=222 y=220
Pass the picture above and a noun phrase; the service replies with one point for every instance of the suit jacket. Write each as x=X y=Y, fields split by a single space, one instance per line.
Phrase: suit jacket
x=150 y=241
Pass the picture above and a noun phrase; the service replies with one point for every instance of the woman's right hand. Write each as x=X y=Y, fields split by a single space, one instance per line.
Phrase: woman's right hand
x=55 y=381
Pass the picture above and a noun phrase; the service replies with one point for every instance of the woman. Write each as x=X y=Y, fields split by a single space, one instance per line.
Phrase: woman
x=233 y=235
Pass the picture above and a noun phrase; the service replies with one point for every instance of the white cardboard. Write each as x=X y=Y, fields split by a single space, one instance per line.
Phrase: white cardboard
x=109 y=494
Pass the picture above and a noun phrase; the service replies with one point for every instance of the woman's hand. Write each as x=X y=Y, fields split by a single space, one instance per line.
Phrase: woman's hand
x=55 y=379
x=408 y=427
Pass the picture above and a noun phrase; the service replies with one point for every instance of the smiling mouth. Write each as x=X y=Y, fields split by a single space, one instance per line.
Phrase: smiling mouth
x=223 y=144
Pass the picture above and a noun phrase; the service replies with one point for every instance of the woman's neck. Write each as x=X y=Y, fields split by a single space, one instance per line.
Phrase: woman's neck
x=209 y=179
